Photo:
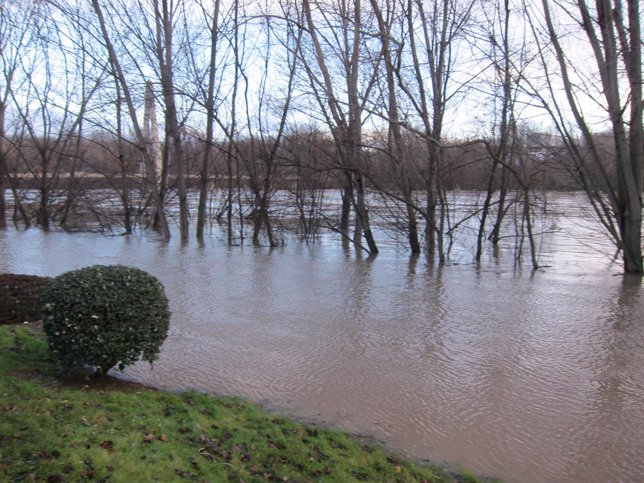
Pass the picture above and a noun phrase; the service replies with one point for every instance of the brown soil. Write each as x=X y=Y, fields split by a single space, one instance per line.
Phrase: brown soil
x=20 y=297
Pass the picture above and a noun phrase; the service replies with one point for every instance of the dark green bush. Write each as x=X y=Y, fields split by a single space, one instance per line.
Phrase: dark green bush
x=20 y=297
x=105 y=315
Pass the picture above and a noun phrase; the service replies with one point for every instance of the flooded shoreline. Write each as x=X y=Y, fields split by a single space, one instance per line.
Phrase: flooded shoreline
x=528 y=376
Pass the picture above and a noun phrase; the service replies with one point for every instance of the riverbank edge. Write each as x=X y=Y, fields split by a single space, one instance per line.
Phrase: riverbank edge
x=56 y=426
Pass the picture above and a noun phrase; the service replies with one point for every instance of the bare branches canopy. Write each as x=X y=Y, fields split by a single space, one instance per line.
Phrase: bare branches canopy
x=360 y=117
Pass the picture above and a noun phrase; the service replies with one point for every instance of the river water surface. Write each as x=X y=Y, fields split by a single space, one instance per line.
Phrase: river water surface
x=528 y=376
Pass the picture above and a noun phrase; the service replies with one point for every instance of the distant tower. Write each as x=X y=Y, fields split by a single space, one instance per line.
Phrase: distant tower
x=151 y=133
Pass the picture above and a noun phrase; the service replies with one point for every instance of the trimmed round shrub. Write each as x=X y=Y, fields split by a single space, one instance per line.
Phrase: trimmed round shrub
x=20 y=297
x=105 y=315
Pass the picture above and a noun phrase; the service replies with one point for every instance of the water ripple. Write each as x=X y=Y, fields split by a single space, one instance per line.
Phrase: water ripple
x=531 y=377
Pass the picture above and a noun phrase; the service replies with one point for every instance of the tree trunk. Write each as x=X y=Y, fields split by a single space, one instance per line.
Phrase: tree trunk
x=626 y=195
x=210 y=120
x=395 y=144
x=346 y=126
x=3 y=169
x=164 y=53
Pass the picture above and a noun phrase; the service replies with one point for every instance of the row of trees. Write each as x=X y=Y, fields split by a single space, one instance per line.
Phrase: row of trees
x=391 y=103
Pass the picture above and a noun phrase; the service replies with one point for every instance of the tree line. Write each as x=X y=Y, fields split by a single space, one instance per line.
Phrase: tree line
x=248 y=113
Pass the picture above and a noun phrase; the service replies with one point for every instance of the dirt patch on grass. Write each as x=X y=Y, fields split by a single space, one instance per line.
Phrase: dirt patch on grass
x=20 y=297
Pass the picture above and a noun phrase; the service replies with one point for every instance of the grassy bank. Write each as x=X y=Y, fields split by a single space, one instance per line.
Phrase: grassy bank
x=57 y=428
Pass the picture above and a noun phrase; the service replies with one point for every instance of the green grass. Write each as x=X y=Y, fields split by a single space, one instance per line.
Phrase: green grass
x=56 y=428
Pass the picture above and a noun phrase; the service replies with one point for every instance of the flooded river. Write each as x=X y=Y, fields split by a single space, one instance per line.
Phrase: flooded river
x=528 y=376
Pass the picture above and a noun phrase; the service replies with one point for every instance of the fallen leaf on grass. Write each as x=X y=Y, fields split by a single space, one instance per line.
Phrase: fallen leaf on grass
x=148 y=439
x=44 y=454
x=108 y=445
x=89 y=474
x=183 y=473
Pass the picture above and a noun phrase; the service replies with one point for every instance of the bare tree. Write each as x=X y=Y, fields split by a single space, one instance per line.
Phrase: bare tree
x=434 y=32
x=232 y=134
x=612 y=30
x=50 y=100
x=14 y=29
x=141 y=141
x=166 y=13
x=508 y=68
x=344 y=117
x=208 y=96
x=395 y=149
x=266 y=150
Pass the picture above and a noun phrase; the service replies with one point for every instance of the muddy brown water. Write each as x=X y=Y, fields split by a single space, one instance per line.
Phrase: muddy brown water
x=528 y=376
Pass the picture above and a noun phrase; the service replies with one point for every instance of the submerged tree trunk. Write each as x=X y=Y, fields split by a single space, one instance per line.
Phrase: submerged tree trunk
x=489 y=193
x=124 y=189
x=362 y=215
x=432 y=225
x=495 y=235
x=527 y=213
x=346 y=192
